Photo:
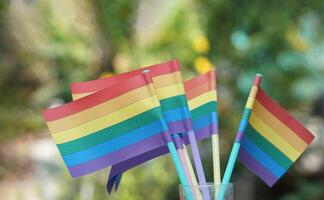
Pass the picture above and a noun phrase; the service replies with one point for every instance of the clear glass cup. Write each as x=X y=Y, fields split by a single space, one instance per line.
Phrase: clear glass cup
x=210 y=191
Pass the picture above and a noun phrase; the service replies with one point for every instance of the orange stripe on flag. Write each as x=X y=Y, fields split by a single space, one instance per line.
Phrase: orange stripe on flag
x=280 y=128
x=284 y=117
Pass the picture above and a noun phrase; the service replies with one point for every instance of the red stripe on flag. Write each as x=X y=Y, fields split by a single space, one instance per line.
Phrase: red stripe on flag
x=95 y=85
x=284 y=116
x=94 y=99
x=209 y=77
x=198 y=90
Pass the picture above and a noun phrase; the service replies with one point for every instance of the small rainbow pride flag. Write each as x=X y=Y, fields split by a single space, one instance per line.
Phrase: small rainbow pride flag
x=168 y=84
x=202 y=100
x=272 y=141
x=109 y=126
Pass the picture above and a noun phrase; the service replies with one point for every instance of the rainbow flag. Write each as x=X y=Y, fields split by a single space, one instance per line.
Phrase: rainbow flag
x=168 y=84
x=273 y=139
x=202 y=100
x=109 y=126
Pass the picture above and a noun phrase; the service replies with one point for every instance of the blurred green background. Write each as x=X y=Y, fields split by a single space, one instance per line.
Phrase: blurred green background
x=47 y=44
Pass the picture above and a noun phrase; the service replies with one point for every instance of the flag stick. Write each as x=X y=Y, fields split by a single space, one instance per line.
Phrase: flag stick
x=178 y=141
x=215 y=136
x=197 y=158
x=173 y=152
x=184 y=165
x=179 y=169
x=192 y=173
x=216 y=159
x=198 y=163
x=239 y=135
x=191 y=170
x=188 y=173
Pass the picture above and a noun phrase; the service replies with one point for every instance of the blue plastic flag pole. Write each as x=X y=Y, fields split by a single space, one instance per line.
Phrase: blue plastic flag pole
x=179 y=169
x=236 y=146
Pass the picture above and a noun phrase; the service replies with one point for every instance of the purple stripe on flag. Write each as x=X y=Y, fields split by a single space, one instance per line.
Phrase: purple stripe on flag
x=119 y=168
x=116 y=157
x=130 y=163
x=255 y=167
x=179 y=126
x=175 y=128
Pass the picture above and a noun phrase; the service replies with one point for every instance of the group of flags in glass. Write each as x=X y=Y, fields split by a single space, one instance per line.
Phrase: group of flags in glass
x=127 y=119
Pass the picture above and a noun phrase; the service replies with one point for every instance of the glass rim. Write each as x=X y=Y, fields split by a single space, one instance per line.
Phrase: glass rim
x=208 y=184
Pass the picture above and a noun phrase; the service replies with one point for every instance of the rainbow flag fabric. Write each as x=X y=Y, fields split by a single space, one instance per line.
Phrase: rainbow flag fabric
x=109 y=126
x=169 y=88
x=168 y=85
x=202 y=100
x=273 y=140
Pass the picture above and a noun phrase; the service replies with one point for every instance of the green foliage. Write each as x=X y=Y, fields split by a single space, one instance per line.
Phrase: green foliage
x=40 y=55
x=116 y=19
x=271 y=38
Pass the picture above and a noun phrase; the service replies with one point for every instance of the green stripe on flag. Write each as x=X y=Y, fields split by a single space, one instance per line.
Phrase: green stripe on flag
x=204 y=109
x=109 y=133
x=173 y=102
x=267 y=147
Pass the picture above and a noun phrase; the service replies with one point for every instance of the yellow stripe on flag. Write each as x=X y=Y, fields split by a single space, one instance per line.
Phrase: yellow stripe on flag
x=273 y=137
x=202 y=99
x=106 y=121
x=279 y=127
x=169 y=91
x=167 y=80
x=99 y=110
